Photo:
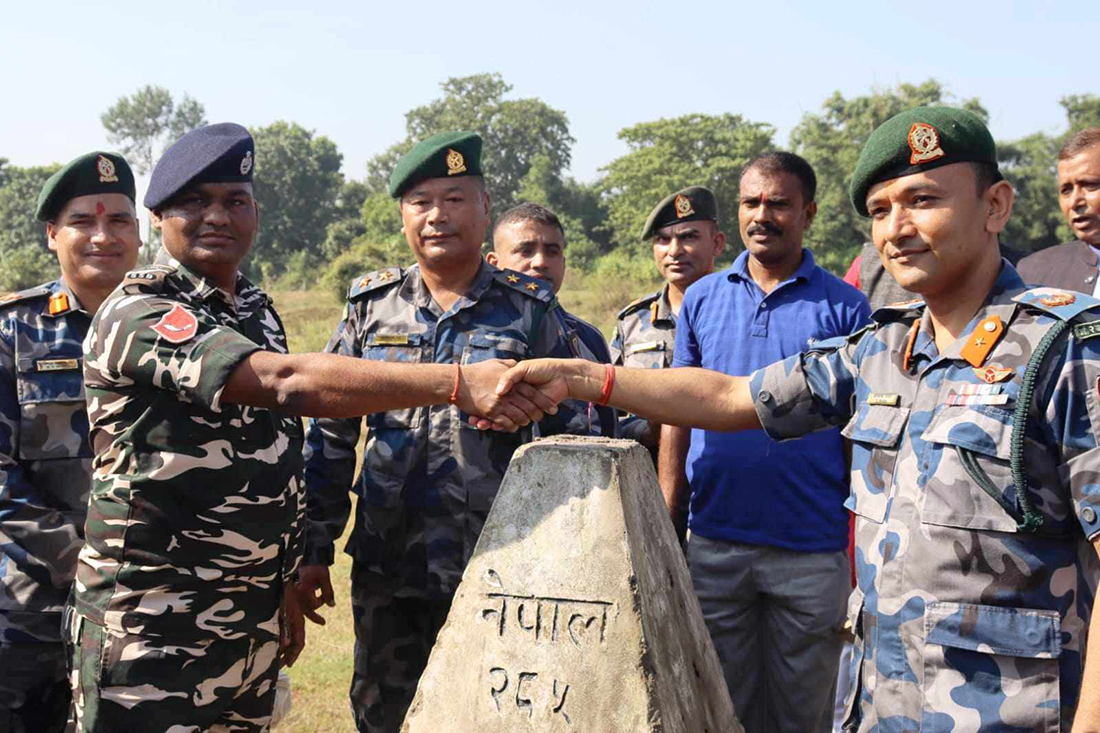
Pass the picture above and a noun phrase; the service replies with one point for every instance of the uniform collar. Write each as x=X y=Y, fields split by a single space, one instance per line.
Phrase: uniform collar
x=414 y=289
x=661 y=309
x=60 y=289
x=245 y=298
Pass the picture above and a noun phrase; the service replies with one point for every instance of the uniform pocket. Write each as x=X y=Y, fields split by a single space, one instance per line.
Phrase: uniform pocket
x=53 y=416
x=875 y=432
x=989 y=668
x=973 y=447
x=483 y=347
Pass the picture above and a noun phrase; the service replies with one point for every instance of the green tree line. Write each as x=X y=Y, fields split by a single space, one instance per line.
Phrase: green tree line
x=316 y=224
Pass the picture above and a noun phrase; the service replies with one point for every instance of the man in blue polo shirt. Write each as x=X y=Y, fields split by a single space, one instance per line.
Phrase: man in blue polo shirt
x=769 y=566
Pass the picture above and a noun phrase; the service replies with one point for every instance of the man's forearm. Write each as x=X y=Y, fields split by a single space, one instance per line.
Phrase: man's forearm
x=671 y=462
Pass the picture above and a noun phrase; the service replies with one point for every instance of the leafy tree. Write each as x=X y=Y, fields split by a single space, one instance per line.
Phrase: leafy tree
x=1082 y=110
x=347 y=223
x=24 y=259
x=831 y=141
x=1030 y=165
x=669 y=154
x=296 y=182
x=577 y=206
x=149 y=118
x=515 y=131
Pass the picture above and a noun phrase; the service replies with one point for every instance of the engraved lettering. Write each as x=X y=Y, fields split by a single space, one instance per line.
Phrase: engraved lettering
x=497 y=692
x=524 y=703
x=579 y=615
x=560 y=701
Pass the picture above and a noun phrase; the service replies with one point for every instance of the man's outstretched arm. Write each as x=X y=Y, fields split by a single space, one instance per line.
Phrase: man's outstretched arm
x=686 y=396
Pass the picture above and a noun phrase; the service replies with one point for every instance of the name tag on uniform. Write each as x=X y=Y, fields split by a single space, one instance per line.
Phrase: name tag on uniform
x=391 y=339
x=646 y=346
x=955 y=398
x=57 y=365
x=882 y=398
x=1085 y=331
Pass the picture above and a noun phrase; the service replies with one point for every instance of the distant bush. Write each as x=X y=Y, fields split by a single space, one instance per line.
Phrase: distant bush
x=362 y=257
x=27 y=266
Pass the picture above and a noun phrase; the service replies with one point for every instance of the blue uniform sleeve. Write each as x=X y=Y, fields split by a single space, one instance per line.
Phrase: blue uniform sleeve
x=573 y=415
x=330 y=463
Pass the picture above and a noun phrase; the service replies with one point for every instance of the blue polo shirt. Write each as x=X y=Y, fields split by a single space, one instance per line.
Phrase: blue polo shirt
x=745 y=487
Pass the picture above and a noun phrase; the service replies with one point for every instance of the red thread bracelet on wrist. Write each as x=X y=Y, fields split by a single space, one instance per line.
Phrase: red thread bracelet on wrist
x=608 y=384
x=454 y=392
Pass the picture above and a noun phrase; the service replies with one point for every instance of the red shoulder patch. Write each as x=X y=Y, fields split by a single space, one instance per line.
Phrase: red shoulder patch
x=177 y=325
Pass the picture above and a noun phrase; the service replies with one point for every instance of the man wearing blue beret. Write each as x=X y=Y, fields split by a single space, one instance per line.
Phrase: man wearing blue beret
x=183 y=609
x=45 y=456
x=428 y=480
x=974 y=417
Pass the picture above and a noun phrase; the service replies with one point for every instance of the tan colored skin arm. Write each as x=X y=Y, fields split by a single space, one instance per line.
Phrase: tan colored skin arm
x=684 y=396
x=671 y=466
x=1088 y=706
x=327 y=385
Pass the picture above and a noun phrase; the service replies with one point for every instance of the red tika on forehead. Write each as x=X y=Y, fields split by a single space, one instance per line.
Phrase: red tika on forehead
x=99 y=209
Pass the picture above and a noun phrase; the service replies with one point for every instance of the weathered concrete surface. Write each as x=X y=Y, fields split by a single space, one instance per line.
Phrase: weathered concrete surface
x=576 y=612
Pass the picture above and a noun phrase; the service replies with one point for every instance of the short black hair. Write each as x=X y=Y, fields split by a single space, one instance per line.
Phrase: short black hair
x=985 y=175
x=528 y=211
x=1080 y=142
x=780 y=161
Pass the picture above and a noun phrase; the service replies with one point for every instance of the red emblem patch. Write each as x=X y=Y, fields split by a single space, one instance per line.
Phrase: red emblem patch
x=177 y=325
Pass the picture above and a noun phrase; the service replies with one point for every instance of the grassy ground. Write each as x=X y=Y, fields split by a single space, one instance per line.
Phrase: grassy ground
x=320 y=678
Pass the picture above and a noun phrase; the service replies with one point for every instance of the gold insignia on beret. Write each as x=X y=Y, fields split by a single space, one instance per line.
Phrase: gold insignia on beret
x=1058 y=299
x=59 y=302
x=455 y=162
x=532 y=287
x=106 y=168
x=513 y=278
x=924 y=142
x=683 y=206
x=246 y=163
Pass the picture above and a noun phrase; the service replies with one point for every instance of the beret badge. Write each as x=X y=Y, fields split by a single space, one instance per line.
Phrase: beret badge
x=924 y=142
x=683 y=206
x=106 y=168
x=455 y=162
x=246 y=163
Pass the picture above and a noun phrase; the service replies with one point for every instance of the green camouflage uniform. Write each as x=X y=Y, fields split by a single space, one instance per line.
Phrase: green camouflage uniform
x=193 y=525
x=45 y=462
x=428 y=478
x=964 y=620
x=645 y=338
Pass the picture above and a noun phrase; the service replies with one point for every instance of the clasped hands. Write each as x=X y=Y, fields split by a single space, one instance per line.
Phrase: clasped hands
x=504 y=395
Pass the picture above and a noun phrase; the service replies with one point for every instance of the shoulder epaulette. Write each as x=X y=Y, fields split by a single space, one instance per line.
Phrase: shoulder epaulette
x=1062 y=304
x=146 y=279
x=642 y=302
x=39 y=291
x=373 y=281
x=894 y=311
x=529 y=286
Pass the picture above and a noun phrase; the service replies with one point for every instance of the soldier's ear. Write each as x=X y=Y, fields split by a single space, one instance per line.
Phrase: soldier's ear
x=155 y=218
x=492 y=259
x=51 y=242
x=999 y=198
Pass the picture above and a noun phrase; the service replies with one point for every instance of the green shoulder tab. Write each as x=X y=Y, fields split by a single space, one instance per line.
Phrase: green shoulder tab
x=895 y=311
x=373 y=281
x=530 y=286
x=39 y=291
x=1062 y=304
x=642 y=302
x=147 y=279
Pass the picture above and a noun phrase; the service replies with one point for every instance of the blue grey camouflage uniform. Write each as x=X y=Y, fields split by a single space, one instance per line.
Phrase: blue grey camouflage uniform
x=589 y=344
x=45 y=464
x=428 y=477
x=963 y=621
x=645 y=338
x=194 y=521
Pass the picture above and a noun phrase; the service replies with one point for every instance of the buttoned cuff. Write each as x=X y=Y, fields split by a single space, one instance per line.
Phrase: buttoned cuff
x=783 y=401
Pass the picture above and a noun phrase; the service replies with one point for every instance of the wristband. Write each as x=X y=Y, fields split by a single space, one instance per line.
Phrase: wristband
x=454 y=392
x=608 y=384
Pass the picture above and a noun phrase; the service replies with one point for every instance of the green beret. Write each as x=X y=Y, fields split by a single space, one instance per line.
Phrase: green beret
x=90 y=174
x=690 y=204
x=440 y=156
x=917 y=140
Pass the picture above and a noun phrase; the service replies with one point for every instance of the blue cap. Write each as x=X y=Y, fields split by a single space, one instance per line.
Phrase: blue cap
x=221 y=153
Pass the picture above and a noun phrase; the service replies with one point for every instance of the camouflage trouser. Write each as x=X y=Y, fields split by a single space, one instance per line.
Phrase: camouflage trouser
x=393 y=637
x=34 y=691
x=128 y=682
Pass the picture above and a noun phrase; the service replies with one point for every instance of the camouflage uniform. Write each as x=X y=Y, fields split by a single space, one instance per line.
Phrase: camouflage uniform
x=645 y=337
x=45 y=462
x=428 y=477
x=588 y=343
x=962 y=621
x=193 y=525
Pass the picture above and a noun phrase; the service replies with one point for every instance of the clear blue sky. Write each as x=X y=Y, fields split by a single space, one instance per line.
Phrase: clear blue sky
x=351 y=70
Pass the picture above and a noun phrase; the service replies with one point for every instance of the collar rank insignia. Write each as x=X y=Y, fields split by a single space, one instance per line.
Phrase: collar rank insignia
x=513 y=278
x=924 y=142
x=455 y=162
x=387 y=276
x=683 y=206
x=246 y=163
x=177 y=326
x=106 y=168
x=1054 y=300
x=364 y=282
x=993 y=373
x=59 y=302
x=532 y=287
x=982 y=340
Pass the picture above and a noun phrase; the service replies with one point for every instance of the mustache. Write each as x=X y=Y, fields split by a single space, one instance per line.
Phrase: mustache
x=764 y=227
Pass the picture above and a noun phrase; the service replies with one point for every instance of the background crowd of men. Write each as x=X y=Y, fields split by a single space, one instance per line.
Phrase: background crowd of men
x=166 y=524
